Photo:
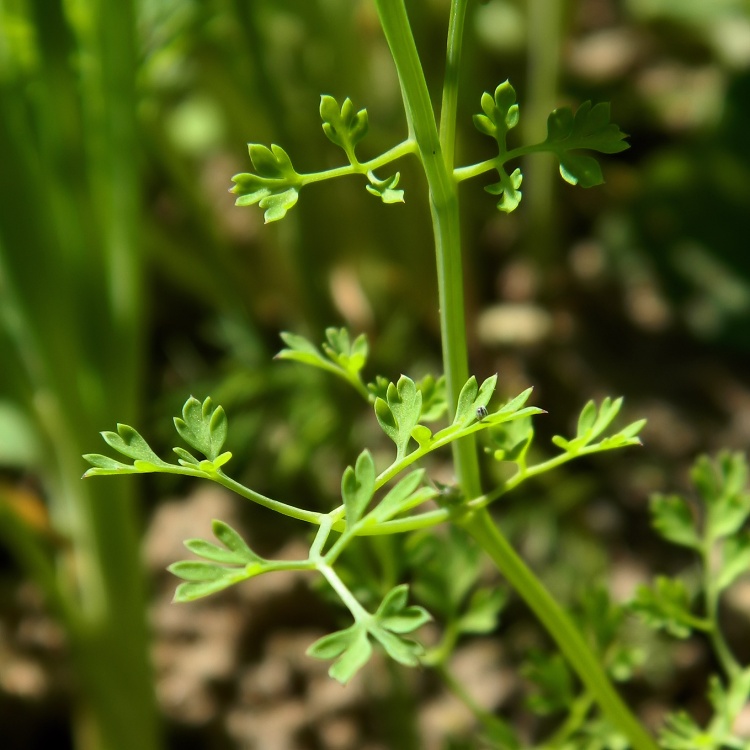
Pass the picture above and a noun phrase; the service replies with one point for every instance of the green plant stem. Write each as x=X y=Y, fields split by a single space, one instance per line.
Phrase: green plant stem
x=435 y=517
x=721 y=648
x=300 y=514
x=397 y=152
x=359 y=613
x=474 y=170
x=449 y=105
x=481 y=527
x=445 y=221
x=577 y=714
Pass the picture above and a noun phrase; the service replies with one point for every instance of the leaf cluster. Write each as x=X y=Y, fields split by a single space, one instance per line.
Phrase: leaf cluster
x=589 y=129
x=557 y=693
x=342 y=356
x=222 y=566
x=711 y=525
x=592 y=422
x=351 y=648
x=500 y=115
x=372 y=502
x=454 y=592
x=275 y=185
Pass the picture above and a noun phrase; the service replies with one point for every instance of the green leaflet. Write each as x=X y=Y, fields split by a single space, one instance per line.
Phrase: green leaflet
x=203 y=427
x=341 y=356
x=343 y=125
x=500 y=113
x=385 y=189
x=223 y=565
x=274 y=185
x=588 y=129
x=398 y=414
x=592 y=422
x=357 y=487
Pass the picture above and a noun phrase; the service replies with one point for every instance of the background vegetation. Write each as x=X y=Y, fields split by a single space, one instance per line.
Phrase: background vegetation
x=128 y=280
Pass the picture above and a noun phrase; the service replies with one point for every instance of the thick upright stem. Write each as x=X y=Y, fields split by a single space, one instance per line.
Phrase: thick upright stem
x=445 y=221
x=558 y=625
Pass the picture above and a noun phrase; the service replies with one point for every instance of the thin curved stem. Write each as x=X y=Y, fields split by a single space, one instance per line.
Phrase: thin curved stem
x=405 y=148
x=300 y=514
x=721 y=648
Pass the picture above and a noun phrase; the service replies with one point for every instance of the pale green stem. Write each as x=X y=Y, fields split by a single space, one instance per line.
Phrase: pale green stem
x=558 y=625
x=445 y=221
x=577 y=714
x=451 y=81
x=300 y=514
x=474 y=170
x=711 y=593
x=405 y=148
x=359 y=613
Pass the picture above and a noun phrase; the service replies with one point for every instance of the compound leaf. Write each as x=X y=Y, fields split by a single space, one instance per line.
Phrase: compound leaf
x=500 y=113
